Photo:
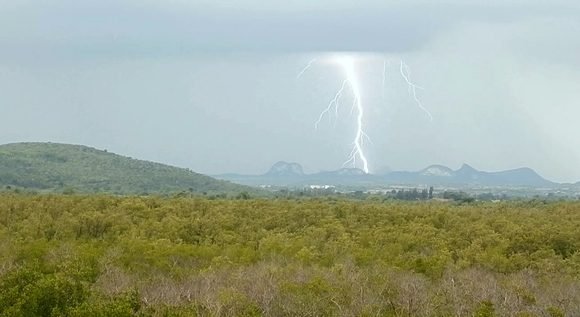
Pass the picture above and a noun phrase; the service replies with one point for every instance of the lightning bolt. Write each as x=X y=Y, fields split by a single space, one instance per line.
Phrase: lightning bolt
x=406 y=74
x=347 y=63
x=332 y=104
x=306 y=68
x=385 y=64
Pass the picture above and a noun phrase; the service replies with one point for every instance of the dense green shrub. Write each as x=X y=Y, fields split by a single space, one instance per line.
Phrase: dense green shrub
x=74 y=255
x=28 y=292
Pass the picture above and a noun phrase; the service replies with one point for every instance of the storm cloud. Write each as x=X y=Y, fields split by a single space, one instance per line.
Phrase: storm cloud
x=211 y=85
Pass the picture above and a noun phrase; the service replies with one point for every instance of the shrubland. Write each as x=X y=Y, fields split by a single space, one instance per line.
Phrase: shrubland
x=100 y=255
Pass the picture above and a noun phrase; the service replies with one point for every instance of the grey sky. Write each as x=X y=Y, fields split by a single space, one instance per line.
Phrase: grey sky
x=211 y=85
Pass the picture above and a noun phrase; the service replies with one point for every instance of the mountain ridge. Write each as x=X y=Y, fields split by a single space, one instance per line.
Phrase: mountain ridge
x=57 y=167
x=283 y=168
x=433 y=174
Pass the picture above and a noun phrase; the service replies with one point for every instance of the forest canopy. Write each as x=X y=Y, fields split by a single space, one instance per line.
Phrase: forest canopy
x=103 y=255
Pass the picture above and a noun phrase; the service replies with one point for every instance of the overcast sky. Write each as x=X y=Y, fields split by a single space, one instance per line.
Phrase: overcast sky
x=212 y=85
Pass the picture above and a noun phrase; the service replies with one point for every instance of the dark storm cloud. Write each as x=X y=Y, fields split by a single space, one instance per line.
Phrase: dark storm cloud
x=111 y=29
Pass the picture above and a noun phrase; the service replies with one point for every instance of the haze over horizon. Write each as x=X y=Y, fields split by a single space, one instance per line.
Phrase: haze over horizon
x=212 y=86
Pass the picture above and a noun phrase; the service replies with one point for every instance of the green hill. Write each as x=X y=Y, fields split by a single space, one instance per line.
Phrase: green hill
x=55 y=167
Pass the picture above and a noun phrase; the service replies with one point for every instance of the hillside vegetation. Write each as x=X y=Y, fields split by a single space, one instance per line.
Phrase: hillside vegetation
x=62 y=167
x=149 y=256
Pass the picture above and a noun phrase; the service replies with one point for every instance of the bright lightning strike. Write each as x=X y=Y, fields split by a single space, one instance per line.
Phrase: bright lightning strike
x=406 y=74
x=348 y=65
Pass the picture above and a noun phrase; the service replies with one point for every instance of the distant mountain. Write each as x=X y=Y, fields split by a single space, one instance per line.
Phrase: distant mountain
x=58 y=167
x=467 y=175
x=343 y=176
x=284 y=169
x=437 y=170
x=521 y=176
x=291 y=174
x=343 y=172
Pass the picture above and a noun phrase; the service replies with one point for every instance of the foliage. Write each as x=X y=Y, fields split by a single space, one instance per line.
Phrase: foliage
x=77 y=255
x=73 y=168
